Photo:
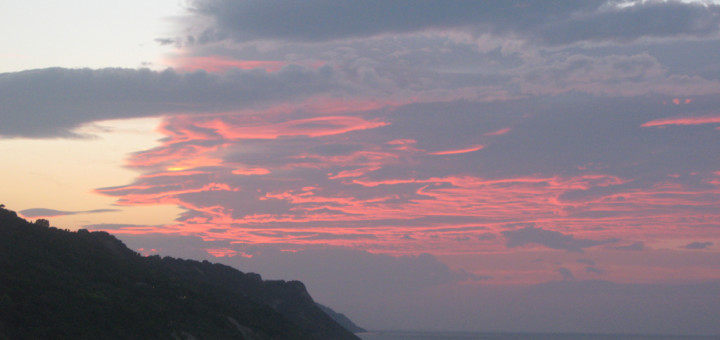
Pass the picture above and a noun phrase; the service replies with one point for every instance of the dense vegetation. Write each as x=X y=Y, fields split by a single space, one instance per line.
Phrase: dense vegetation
x=57 y=284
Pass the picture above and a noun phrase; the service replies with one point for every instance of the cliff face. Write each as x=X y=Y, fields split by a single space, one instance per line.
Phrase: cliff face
x=89 y=285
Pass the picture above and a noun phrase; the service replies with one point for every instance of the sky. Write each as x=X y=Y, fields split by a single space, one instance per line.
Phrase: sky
x=443 y=165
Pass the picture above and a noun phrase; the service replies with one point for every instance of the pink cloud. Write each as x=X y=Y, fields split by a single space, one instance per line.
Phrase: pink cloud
x=222 y=252
x=218 y=64
x=459 y=151
x=251 y=171
x=684 y=121
x=498 y=132
x=176 y=157
x=311 y=127
x=301 y=179
x=172 y=174
x=347 y=195
x=355 y=172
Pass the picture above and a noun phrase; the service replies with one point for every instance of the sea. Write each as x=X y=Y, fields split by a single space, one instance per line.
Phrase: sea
x=415 y=335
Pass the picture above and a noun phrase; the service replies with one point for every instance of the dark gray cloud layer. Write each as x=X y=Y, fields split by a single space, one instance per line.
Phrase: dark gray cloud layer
x=566 y=273
x=43 y=212
x=636 y=246
x=551 y=239
x=322 y=20
x=698 y=245
x=553 y=22
x=51 y=102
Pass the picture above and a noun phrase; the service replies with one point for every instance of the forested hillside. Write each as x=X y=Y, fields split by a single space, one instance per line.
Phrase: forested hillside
x=58 y=284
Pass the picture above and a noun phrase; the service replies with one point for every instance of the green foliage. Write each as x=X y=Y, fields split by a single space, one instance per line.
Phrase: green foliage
x=56 y=284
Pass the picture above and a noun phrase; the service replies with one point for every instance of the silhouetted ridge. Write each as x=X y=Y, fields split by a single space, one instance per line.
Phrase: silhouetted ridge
x=57 y=284
x=341 y=319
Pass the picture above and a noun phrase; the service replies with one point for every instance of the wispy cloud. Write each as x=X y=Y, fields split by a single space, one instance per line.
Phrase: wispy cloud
x=72 y=97
x=44 y=212
x=550 y=239
x=684 y=121
x=698 y=245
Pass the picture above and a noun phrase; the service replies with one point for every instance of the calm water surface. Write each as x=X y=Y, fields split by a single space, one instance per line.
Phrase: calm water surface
x=396 y=335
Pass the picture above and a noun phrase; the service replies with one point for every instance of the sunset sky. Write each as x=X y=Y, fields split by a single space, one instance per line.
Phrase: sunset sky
x=420 y=164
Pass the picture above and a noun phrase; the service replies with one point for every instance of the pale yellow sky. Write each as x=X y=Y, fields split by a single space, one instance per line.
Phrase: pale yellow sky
x=61 y=174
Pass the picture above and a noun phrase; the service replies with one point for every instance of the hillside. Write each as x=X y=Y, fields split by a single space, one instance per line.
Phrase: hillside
x=341 y=319
x=57 y=284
